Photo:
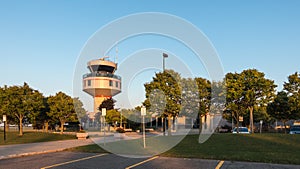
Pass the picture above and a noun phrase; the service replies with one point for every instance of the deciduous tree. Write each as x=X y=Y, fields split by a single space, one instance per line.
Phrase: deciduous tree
x=293 y=92
x=80 y=111
x=21 y=102
x=62 y=108
x=109 y=104
x=279 y=109
x=257 y=91
x=234 y=106
x=247 y=90
x=168 y=83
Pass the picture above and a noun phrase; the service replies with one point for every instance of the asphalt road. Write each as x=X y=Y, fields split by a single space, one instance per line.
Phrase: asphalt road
x=75 y=160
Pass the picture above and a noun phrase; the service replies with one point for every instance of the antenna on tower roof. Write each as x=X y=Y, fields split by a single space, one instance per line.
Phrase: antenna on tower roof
x=104 y=57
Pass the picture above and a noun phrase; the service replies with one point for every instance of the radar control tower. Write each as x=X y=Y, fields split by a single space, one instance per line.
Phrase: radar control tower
x=101 y=82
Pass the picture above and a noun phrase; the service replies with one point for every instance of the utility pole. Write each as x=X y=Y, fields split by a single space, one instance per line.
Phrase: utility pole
x=164 y=118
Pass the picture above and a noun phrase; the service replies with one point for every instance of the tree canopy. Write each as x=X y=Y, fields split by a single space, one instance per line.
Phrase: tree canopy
x=280 y=109
x=19 y=102
x=109 y=104
x=247 y=90
x=168 y=83
x=248 y=93
x=234 y=96
x=292 y=87
x=62 y=108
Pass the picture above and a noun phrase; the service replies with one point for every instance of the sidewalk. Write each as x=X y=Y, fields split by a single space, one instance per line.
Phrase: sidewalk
x=19 y=150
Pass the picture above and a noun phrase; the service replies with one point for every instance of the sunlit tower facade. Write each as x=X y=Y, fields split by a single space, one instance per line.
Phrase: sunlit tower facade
x=101 y=82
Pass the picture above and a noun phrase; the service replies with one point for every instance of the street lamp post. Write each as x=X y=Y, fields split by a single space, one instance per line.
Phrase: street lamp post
x=143 y=113
x=4 y=121
x=164 y=119
x=164 y=56
x=103 y=113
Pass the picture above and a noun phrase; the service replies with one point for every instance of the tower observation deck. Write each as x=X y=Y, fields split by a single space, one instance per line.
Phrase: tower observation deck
x=101 y=82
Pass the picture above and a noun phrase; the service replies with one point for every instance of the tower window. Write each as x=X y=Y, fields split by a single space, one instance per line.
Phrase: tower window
x=117 y=84
x=110 y=83
x=89 y=83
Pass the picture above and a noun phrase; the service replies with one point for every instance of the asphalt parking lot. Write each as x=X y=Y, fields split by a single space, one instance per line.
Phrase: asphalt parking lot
x=72 y=160
x=75 y=160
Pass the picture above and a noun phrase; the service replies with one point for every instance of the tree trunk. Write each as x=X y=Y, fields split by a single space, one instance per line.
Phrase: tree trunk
x=284 y=123
x=46 y=124
x=237 y=122
x=200 y=123
x=62 y=123
x=20 y=127
x=251 y=119
x=169 y=125
x=205 y=121
x=173 y=123
x=164 y=125
x=237 y=126
x=34 y=122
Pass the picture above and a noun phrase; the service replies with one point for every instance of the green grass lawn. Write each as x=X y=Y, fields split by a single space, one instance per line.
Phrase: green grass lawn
x=267 y=148
x=31 y=137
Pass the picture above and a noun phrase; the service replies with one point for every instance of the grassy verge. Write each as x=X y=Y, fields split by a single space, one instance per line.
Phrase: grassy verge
x=93 y=148
x=267 y=148
x=31 y=137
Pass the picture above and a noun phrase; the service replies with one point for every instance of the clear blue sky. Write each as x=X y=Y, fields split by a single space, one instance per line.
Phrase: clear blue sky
x=41 y=40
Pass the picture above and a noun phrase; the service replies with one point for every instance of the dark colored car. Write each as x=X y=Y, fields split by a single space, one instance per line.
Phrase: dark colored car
x=295 y=130
x=242 y=130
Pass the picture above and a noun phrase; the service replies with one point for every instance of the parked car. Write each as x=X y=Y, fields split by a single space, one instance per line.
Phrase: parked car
x=10 y=125
x=242 y=130
x=295 y=129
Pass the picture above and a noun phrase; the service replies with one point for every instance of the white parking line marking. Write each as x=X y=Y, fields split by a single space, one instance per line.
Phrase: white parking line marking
x=73 y=161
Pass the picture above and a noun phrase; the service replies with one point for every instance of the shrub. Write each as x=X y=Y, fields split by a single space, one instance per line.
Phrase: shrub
x=120 y=130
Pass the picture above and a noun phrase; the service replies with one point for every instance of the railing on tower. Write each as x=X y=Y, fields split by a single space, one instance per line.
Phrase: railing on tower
x=99 y=74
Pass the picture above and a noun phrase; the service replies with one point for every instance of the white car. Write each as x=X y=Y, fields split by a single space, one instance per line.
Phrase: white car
x=1 y=124
x=242 y=130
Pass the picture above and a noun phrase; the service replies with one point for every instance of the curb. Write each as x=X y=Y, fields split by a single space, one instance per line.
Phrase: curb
x=31 y=153
x=51 y=149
